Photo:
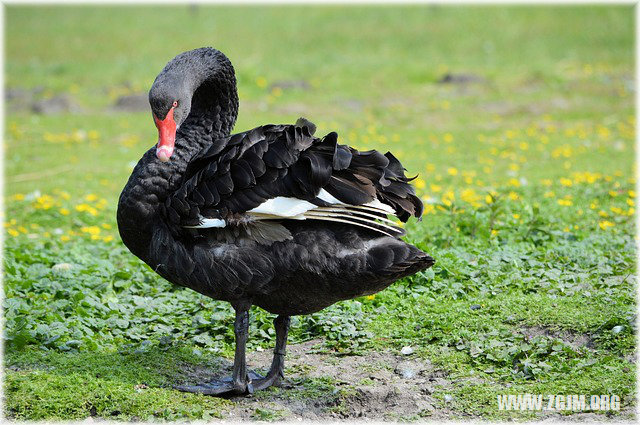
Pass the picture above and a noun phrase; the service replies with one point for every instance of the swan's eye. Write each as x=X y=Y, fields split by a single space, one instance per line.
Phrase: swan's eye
x=175 y=103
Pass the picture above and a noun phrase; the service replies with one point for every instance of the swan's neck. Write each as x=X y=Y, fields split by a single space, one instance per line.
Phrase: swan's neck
x=214 y=108
x=209 y=78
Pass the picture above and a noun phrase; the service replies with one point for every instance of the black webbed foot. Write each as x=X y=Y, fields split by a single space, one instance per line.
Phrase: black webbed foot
x=266 y=382
x=224 y=387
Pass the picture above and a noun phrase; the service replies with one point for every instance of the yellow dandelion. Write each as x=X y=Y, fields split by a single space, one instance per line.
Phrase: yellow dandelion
x=18 y=197
x=603 y=132
x=546 y=182
x=605 y=224
x=513 y=196
x=261 y=82
x=632 y=193
x=494 y=232
x=631 y=202
x=44 y=199
x=12 y=232
x=603 y=213
x=92 y=230
x=91 y=197
x=448 y=137
x=64 y=211
x=435 y=188
x=566 y=182
x=428 y=209
x=565 y=202
x=420 y=183
x=448 y=197
x=65 y=238
x=469 y=195
x=613 y=193
x=514 y=182
x=371 y=297
x=452 y=171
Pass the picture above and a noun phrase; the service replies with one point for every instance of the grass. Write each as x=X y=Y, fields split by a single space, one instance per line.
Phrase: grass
x=527 y=175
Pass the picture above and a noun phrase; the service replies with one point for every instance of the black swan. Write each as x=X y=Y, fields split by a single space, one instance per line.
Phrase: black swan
x=272 y=217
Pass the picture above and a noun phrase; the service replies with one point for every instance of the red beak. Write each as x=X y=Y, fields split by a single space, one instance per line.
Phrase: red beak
x=166 y=136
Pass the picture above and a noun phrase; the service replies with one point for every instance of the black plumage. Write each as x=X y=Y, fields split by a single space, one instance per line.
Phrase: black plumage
x=287 y=266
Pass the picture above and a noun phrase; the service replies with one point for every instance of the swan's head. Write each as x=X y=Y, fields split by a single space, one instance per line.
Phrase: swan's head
x=170 y=105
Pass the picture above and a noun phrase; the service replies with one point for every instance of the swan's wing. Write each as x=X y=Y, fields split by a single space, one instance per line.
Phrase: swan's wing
x=238 y=173
x=276 y=173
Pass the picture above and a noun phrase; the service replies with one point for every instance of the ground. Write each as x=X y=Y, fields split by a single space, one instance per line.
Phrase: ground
x=518 y=121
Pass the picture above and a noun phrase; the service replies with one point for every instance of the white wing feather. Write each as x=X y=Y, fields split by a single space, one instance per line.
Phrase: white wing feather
x=297 y=209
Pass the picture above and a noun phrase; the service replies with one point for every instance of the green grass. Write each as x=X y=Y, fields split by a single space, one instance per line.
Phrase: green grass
x=528 y=177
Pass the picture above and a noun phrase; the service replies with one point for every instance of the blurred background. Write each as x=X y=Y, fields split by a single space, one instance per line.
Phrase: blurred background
x=519 y=122
x=425 y=79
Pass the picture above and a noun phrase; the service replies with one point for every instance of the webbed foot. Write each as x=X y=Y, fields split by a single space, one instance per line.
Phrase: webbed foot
x=224 y=386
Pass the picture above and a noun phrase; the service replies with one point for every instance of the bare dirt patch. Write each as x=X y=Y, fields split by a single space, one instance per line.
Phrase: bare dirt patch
x=575 y=340
x=320 y=385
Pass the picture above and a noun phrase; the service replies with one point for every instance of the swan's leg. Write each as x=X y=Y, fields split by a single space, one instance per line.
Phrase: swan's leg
x=239 y=383
x=276 y=372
